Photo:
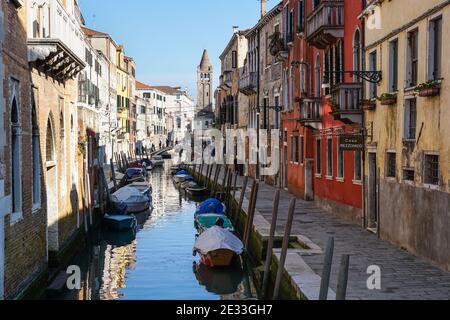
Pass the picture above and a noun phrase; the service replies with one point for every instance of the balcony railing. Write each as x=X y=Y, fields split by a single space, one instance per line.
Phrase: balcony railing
x=58 y=44
x=326 y=23
x=248 y=83
x=311 y=112
x=346 y=102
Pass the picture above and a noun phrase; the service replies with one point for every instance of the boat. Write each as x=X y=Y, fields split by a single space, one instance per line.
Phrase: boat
x=206 y=221
x=174 y=170
x=166 y=155
x=218 y=247
x=196 y=190
x=134 y=200
x=144 y=187
x=120 y=222
x=148 y=164
x=119 y=238
x=211 y=206
x=158 y=161
x=179 y=178
x=188 y=183
x=132 y=175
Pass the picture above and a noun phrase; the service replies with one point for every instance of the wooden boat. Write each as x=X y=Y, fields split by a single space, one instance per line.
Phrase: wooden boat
x=144 y=187
x=196 y=190
x=132 y=198
x=218 y=258
x=186 y=184
x=132 y=175
x=205 y=221
x=218 y=247
x=182 y=178
x=158 y=161
x=120 y=222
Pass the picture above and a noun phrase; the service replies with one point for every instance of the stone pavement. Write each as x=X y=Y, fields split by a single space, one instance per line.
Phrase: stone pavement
x=403 y=276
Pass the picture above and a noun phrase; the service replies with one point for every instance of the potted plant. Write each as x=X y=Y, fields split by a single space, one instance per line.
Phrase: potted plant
x=82 y=142
x=388 y=99
x=276 y=45
x=429 y=89
x=369 y=104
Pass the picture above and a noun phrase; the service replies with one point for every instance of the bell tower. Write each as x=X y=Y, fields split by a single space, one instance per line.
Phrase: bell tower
x=204 y=83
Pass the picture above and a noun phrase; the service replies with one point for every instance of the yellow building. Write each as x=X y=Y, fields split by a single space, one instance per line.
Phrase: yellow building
x=407 y=115
x=123 y=102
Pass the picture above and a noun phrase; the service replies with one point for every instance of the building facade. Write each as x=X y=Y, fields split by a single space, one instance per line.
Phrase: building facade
x=407 y=168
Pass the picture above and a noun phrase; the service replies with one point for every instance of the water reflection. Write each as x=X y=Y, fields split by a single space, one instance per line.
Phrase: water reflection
x=155 y=261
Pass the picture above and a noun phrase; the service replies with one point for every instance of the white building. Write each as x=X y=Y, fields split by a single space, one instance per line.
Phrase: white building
x=144 y=117
x=158 y=123
x=180 y=108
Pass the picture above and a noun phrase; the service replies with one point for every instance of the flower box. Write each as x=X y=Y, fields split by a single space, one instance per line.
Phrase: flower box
x=369 y=104
x=429 y=92
x=388 y=99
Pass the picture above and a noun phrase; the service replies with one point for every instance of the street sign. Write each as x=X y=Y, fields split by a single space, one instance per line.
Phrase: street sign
x=351 y=142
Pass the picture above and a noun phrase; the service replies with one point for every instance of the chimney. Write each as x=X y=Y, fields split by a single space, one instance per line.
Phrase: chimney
x=263 y=8
x=235 y=29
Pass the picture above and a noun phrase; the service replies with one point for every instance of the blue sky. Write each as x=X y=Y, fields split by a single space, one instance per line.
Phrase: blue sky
x=166 y=38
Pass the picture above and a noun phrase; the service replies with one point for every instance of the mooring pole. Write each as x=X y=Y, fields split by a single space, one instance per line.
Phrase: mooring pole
x=251 y=213
x=287 y=235
x=341 y=292
x=216 y=177
x=241 y=200
x=208 y=175
x=234 y=188
x=273 y=226
x=113 y=173
x=328 y=260
x=228 y=190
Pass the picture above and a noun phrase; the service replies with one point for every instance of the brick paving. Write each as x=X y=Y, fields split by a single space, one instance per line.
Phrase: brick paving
x=403 y=275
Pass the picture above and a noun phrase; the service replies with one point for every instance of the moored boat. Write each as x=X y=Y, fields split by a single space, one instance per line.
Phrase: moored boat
x=132 y=198
x=205 y=221
x=196 y=190
x=211 y=206
x=158 y=161
x=120 y=222
x=218 y=247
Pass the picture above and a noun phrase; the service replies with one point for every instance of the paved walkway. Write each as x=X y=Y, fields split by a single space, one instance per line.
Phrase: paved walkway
x=404 y=276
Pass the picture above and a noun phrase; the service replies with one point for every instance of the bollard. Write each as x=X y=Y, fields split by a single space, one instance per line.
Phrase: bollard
x=251 y=213
x=341 y=291
x=273 y=226
x=287 y=235
x=328 y=260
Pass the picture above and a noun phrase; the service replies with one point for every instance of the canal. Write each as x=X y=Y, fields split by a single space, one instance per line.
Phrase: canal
x=156 y=262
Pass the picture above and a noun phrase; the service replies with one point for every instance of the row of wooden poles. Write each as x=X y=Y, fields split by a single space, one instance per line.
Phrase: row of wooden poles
x=227 y=194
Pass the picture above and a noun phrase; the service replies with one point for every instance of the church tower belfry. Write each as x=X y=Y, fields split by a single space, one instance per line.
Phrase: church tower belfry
x=204 y=83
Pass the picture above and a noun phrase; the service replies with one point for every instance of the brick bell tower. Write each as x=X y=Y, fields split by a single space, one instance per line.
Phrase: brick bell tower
x=204 y=83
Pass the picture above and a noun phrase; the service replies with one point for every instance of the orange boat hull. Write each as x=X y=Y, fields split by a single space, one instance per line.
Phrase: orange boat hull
x=218 y=258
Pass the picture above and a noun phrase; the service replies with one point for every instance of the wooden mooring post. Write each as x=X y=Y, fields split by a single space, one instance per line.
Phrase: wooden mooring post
x=113 y=175
x=216 y=177
x=341 y=291
x=241 y=201
x=287 y=235
x=268 y=262
x=328 y=260
x=251 y=213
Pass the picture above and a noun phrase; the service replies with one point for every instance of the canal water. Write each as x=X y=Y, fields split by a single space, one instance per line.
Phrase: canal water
x=156 y=262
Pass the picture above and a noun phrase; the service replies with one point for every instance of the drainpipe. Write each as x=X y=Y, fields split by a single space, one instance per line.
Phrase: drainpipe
x=363 y=155
x=257 y=104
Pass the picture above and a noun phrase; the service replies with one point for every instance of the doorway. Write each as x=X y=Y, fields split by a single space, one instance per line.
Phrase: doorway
x=372 y=216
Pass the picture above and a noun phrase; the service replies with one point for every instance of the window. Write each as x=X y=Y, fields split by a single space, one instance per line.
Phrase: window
x=292 y=149
x=431 y=169
x=143 y=110
x=317 y=76
x=329 y=157
x=435 y=49
x=16 y=158
x=234 y=61
x=49 y=144
x=358 y=166
x=302 y=150
x=410 y=119
x=318 y=156
x=373 y=67
x=408 y=174
x=393 y=65
x=391 y=167
x=338 y=58
x=301 y=16
x=36 y=154
x=296 y=149
x=357 y=52
x=412 y=58
x=340 y=163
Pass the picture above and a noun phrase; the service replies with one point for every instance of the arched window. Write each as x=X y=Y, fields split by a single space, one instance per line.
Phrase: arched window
x=357 y=51
x=16 y=170
x=338 y=53
x=50 y=144
x=317 y=76
x=36 y=153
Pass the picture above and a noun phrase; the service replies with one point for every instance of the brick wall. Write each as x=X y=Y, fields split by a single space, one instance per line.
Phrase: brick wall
x=25 y=240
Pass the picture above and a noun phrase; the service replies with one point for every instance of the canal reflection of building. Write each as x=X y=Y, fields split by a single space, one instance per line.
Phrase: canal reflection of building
x=116 y=262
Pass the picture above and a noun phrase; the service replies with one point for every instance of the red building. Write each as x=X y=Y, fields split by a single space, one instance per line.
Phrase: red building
x=322 y=102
